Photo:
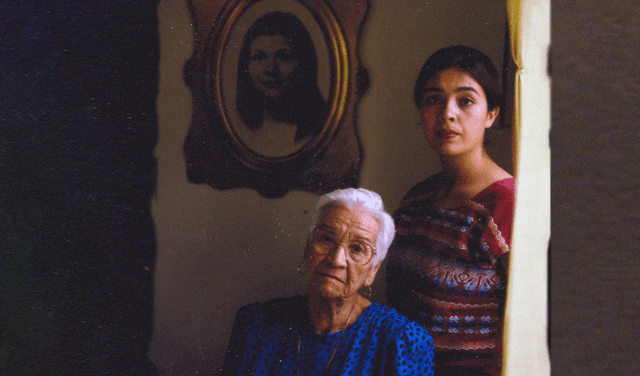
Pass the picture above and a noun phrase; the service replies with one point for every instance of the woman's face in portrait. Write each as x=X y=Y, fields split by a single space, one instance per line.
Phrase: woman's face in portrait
x=332 y=274
x=272 y=64
x=455 y=113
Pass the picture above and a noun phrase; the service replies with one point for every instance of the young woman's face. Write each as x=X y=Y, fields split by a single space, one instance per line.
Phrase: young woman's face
x=455 y=113
x=272 y=64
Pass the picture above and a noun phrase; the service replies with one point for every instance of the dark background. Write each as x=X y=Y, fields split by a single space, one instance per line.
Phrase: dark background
x=78 y=126
x=78 y=85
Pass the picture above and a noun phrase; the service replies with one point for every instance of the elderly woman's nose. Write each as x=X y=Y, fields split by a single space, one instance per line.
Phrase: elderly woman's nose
x=338 y=255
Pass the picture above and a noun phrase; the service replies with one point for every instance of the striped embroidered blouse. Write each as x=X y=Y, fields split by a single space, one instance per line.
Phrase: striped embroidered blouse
x=443 y=270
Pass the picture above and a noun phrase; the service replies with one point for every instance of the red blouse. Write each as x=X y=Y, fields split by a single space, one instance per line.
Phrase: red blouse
x=443 y=271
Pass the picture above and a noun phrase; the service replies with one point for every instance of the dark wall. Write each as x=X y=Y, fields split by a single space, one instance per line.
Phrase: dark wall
x=595 y=188
x=78 y=125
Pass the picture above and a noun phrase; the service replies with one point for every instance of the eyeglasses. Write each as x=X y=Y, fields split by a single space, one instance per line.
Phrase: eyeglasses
x=325 y=241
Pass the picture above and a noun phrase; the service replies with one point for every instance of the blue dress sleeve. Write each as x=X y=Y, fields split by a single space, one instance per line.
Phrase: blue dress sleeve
x=411 y=353
x=245 y=333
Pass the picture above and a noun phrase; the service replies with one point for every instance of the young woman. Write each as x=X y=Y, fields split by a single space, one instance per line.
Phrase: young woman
x=448 y=265
x=278 y=95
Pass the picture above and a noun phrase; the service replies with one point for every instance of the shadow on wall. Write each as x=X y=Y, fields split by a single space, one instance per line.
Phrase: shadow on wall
x=79 y=84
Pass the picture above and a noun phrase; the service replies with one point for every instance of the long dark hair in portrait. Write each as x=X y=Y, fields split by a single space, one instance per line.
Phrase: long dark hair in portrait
x=301 y=103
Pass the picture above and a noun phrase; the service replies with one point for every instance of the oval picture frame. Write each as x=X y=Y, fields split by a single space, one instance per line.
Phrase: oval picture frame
x=221 y=59
x=318 y=148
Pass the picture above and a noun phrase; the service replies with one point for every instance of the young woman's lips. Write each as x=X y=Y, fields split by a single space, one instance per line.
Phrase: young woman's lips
x=446 y=134
x=273 y=84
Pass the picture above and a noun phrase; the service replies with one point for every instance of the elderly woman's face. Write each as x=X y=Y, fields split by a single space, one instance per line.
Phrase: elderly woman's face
x=272 y=63
x=333 y=273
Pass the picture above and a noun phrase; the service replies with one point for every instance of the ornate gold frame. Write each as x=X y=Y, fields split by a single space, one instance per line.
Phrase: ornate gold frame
x=214 y=152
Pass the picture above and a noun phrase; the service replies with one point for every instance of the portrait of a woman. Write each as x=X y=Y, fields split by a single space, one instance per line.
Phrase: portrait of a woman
x=448 y=264
x=278 y=98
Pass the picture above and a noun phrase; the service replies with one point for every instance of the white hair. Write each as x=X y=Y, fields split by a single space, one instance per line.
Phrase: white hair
x=372 y=203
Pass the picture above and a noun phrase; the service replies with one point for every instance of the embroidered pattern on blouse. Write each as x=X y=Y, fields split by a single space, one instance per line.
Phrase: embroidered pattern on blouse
x=449 y=273
x=443 y=267
x=491 y=226
x=471 y=345
x=423 y=299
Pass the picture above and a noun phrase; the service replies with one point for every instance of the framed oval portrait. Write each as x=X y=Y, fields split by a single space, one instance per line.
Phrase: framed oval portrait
x=275 y=87
x=276 y=78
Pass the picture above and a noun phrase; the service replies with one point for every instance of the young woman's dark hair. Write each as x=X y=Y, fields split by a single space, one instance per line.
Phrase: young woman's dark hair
x=472 y=61
x=302 y=102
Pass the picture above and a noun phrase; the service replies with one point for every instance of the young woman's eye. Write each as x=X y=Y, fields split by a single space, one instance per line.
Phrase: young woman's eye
x=429 y=100
x=257 y=56
x=466 y=101
x=286 y=55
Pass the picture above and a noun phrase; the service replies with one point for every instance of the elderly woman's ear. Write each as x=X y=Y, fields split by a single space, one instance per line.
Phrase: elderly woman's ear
x=372 y=275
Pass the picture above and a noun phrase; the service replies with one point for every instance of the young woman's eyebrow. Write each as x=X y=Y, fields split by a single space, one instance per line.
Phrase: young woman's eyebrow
x=439 y=90
x=466 y=88
x=434 y=89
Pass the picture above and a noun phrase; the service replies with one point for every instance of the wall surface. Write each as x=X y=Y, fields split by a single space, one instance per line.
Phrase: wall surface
x=219 y=250
x=595 y=189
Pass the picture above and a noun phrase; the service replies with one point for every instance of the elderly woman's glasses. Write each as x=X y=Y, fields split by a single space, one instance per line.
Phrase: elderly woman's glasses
x=325 y=241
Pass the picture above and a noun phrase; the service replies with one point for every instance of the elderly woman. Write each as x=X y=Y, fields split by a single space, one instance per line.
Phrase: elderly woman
x=448 y=265
x=333 y=330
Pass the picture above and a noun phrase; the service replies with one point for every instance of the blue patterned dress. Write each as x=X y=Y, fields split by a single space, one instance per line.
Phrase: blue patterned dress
x=276 y=338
